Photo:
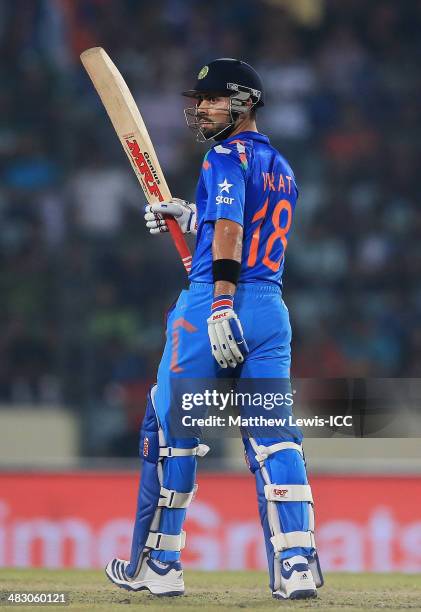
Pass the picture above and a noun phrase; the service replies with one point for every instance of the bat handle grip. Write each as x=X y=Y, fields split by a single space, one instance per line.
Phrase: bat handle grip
x=180 y=242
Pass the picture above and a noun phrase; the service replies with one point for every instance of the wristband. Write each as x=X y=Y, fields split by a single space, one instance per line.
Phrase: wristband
x=226 y=270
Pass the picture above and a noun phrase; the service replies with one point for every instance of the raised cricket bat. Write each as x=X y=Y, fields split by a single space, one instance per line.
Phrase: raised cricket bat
x=131 y=130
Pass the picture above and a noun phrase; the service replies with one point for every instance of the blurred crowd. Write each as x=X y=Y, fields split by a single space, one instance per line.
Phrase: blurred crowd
x=85 y=288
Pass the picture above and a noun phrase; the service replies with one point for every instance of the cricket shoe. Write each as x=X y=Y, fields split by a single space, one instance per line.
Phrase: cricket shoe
x=162 y=579
x=296 y=580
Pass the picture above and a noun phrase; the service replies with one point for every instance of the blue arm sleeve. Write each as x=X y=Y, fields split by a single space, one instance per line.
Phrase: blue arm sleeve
x=226 y=186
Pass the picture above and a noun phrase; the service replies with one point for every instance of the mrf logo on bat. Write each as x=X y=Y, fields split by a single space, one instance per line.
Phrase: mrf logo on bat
x=145 y=167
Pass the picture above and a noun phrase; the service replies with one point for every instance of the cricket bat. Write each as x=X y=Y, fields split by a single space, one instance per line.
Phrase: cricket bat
x=131 y=130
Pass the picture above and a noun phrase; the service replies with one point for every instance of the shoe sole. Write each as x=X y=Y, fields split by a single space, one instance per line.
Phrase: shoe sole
x=127 y=587
x=304 y=594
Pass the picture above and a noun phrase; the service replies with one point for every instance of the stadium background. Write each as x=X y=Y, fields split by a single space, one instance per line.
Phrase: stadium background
x=84 y=288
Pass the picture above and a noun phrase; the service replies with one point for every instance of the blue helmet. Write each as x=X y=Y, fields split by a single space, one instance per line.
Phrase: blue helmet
x=227 y=77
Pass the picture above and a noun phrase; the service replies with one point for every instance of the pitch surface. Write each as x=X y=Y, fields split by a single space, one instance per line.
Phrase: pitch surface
x=216 y=591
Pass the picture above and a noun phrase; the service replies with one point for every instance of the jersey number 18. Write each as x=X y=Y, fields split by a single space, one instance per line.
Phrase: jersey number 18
x=277 y=233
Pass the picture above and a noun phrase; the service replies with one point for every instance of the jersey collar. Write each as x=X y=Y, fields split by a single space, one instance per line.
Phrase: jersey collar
x=248 y=136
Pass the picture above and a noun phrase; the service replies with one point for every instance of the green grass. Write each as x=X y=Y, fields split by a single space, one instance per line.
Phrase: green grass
x=90 y=590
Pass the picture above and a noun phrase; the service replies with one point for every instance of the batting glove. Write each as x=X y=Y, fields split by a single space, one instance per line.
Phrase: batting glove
x=226 y=334
x=184 y=213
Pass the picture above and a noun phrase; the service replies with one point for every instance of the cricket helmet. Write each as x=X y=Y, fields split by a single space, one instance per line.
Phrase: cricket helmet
x=228 y=77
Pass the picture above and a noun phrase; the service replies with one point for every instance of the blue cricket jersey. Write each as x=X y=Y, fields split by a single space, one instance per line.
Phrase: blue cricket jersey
x=246 y=180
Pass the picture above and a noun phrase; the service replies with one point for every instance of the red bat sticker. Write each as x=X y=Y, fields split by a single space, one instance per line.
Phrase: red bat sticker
x=144 y=169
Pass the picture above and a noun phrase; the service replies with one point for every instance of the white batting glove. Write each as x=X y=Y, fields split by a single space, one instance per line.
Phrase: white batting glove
x=183 y=212
x=226 y=334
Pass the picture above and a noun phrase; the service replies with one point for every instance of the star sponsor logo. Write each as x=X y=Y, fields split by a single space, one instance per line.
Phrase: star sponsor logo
x=220 y=199
x=225 y=186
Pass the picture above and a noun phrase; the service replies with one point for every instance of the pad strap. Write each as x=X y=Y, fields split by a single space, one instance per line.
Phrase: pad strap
x=165 y=541
x=311 y=518
x=263 y=452
x=283 y=541
x=288 y=493
x=170 y=451
x=169 y=498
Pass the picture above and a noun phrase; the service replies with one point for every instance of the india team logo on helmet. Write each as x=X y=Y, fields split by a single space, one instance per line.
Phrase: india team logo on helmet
x=203 y=72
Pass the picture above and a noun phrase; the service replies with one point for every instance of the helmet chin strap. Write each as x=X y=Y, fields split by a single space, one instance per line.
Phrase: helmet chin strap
x=225 y=133
x=200 y=132
x=237 y=106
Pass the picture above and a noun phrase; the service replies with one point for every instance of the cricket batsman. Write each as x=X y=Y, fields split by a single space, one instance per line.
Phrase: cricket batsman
x=232 y=319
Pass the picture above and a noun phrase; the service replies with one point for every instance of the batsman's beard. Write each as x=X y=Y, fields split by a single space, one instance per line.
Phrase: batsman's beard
x=217 y=130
